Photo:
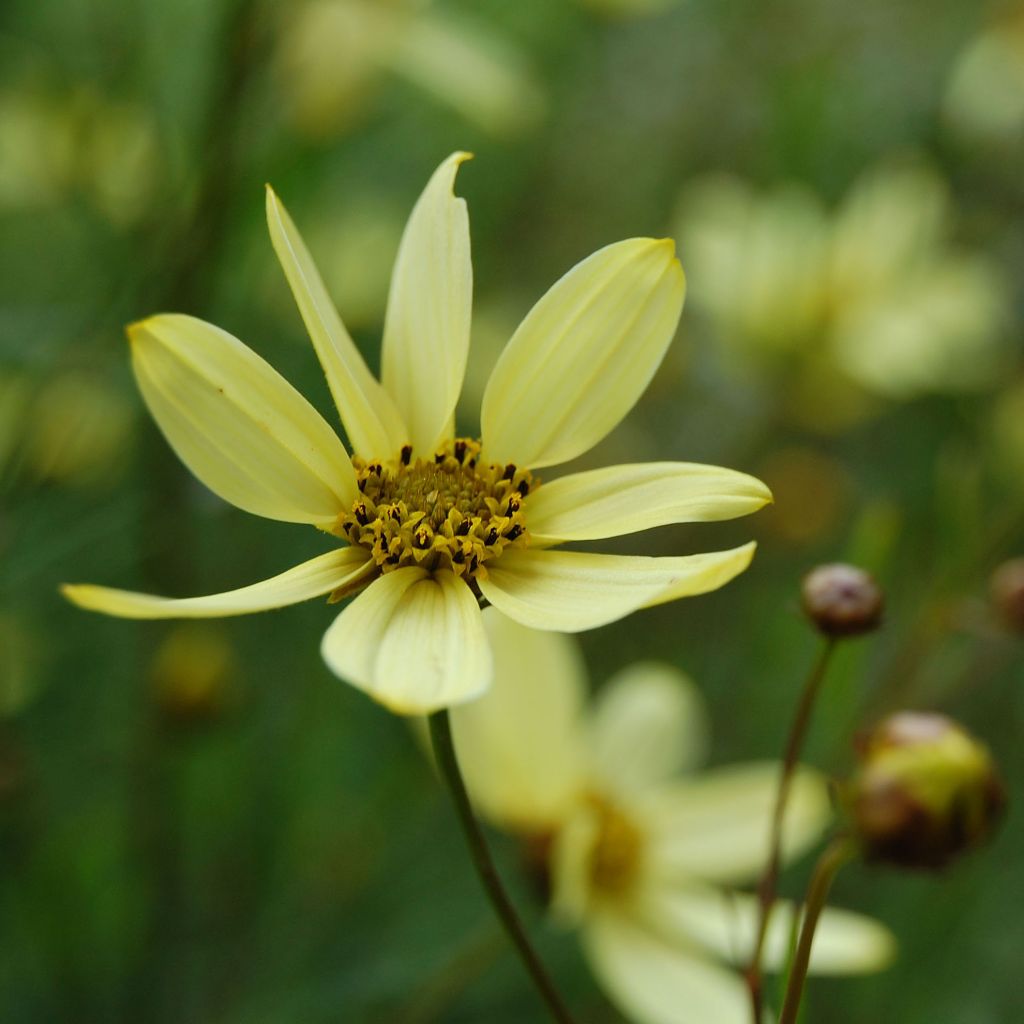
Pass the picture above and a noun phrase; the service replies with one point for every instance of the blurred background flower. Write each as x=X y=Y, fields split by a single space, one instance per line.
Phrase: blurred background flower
x=873 y=295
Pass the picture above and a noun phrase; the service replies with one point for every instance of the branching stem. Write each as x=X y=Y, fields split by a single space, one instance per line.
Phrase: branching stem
x=836 y=854
x=768 y=887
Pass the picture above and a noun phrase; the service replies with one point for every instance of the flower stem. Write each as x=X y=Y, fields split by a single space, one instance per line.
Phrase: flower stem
x=768 y=887
x=444 y=751
x=836 y=854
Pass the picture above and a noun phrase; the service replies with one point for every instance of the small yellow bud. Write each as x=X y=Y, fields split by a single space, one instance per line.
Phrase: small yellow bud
x=926 y=791
x=842 y=600
x=1007 y=592
x=193 y=674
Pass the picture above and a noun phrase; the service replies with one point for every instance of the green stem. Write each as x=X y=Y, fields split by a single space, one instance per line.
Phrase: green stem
x=447 y=762
x=837 y=853
x=768 y=887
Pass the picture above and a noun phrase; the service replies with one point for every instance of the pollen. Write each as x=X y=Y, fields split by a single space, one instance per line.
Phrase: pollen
x=450 y=511
x=618 y=848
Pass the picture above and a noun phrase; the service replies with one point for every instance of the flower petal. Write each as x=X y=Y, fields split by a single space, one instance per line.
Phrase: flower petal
x=625 y=499
x=583 y=355
x=716 y=828
x=426 y=330
x=725 y=923
x=571 y=591
x=241 y=428
x=318 y=576
x=372 y=422
x=654 y=981
x=520 y=744
x=649 y=724
x=414 y=642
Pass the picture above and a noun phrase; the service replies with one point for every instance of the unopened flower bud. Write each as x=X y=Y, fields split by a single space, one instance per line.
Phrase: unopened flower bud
x=193 y=674
x=842 y=600
x=1007 y=590
x=926 y=791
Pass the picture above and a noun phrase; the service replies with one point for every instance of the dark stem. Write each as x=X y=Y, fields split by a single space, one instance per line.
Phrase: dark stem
x=447 y=762
x=836 y=854
x=767 y=889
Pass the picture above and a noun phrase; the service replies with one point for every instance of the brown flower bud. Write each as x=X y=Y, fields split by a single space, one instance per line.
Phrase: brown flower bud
x=1007 y=591
x=842 y=600
x=926 y=791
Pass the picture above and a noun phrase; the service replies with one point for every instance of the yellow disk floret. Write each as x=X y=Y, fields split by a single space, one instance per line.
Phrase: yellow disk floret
x=618 y=848
x=448 y=512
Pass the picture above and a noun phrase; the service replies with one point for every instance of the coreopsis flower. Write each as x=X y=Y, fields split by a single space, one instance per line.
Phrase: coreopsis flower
x=427 y=524
x=872 y=299
x=642 y=853
x=332 y=56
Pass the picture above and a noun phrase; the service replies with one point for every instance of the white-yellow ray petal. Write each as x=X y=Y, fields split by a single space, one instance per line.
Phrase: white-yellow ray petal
x=314 y=578
x=625 y=499
x=655 y=981
x=725 y=923
x=649 y=724
x=583 y=355
x=372 y=422
x=716 y=827
x=412 y=641
x=241 y=428
x=426 y=329
x=570 y=591
x=520 y=744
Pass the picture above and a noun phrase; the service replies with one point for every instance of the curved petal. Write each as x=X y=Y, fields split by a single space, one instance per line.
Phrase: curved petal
x=318 y=576
x=583 y=355
x=655 y=981
x=716 y=828
x=625 y=499
x=725 y=923
x=649 y=724
x=412 y=641
x=241 y=428
x=426 y=329
x=372 y=422
x=520 y=744
x=570 y=591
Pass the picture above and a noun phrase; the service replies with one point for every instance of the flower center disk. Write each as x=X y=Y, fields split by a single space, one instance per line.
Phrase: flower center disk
x=449 y=512
x=618 y=848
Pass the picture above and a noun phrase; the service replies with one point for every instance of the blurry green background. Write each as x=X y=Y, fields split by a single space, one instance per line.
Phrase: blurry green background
x=199 y=823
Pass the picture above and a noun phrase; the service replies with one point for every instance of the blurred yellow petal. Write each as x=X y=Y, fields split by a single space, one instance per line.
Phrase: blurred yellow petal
x=412 y=641
x=426 y=330
x=520 y=744
x=372 y=422
x=571 y=591
x=241 y=428
x=626 y=499
x=478 y=74
x=649 y=724
x=725 y=923
x=583 y=355
x=716 y=828
x=314 y=578
x=653 y=981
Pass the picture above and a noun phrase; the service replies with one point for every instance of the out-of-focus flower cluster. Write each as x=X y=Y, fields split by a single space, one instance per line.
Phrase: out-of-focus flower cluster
x=56 y=144
x=873 y=294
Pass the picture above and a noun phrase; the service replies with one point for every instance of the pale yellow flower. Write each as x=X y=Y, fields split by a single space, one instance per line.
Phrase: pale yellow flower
x=644 y=854
x=431 y=524
x=984 y=101
x=874 y=293
x=333 y=54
